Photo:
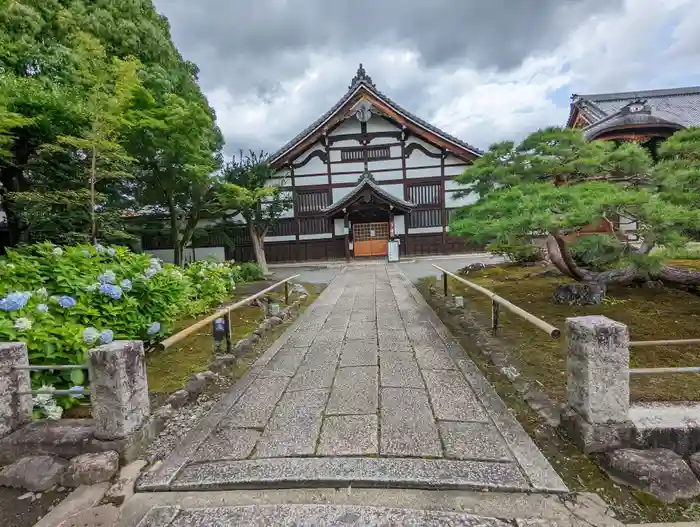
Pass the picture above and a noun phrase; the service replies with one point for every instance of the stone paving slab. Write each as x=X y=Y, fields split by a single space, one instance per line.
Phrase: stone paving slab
x=312 y=516
x=355 y=471
x=407 y=425
x=361 y=352
x=452 y=398
x=399 y=373
x=228 y=443
x=312 y=404
x=349 y=435
x=473 y=441
x=294 y=427
x=354 y=391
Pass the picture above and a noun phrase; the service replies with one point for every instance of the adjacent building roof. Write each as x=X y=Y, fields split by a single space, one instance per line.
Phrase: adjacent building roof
x=680 y=106
x=361 y=85
x=367 y=182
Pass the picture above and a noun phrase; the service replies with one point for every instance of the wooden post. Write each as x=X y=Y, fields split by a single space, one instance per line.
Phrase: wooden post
x=495 y=309
x=228 y=332
x=444 y=284
x=286 y=293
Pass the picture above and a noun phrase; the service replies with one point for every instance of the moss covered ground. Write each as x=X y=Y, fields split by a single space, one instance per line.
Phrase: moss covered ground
x=651 y=314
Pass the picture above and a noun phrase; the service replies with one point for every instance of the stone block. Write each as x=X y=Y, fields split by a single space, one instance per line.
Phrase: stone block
x=407 y=424
x=349 y=435
x=294 y=428
x=473 y=441
x=227 y=442
x=354 y=391
x=35 y=473
x=119 y=388
x=123 y=488
x=598 y=368
x=596 y=437
x=285 y=362
x=660 y=472
x=361 y=352
x=88 y=469
x=256 y=405
x=395 y=372
x=452 y=398
x=15 y=410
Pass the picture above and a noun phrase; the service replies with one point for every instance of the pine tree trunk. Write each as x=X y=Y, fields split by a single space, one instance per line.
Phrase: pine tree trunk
x=259 y=249
x=671 y=276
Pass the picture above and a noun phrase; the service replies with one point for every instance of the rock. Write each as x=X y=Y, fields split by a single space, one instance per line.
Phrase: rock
x=660 y=472
x=254 y=338
x=197 y=383
x=653 y=284
x=90 y=469
x=549 y=272
x=580 y=294
x=242 y=346
x=471 y=267
x=275 y=321
x=179 y=398
x=26 y=495
x=123 y=489
x=695 y=463
x=299 y=289
x=35 y=473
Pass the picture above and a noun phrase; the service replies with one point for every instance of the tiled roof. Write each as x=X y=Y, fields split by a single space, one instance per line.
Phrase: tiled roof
x=678 y=105
x=360 y=80
x=366 y=180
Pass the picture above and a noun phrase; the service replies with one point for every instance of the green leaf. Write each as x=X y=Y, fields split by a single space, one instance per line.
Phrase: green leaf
x=77 y=377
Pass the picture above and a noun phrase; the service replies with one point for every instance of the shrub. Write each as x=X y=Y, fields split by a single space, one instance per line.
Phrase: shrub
x=61 y=301
x=210 y=283
x=517 y=252
x=597 y=252
x=250 y=272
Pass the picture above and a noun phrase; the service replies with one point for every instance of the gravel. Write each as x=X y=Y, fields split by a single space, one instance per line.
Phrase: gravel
x=185 y=419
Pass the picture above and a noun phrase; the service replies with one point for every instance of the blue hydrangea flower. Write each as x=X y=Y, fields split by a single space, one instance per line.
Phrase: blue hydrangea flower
x=108 y=277
x=112 y=291
x=66 y=301
x=111 y=251
x=42 y=308
x=78 y=391
x=154 y=328
x=90 y=335
x=106 y=336
x=155 y=263
x=126 y=285
x=150 y=272
x=99 y=248
x=85 y=253
x=15 y=301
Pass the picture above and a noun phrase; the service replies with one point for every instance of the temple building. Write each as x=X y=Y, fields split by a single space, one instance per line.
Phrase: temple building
x=647 y=117
x=364 y=172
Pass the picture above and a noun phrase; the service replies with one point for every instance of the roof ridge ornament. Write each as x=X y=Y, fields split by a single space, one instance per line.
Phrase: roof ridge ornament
x=361 y=76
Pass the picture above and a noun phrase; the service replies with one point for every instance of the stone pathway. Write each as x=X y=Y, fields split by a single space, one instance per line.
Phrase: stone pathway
x=366 y=389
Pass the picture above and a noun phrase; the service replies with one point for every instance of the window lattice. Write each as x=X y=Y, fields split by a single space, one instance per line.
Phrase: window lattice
x=425 y=218
x=358 y=154
x=312 y=201
x=424 y=194
x=314 y=226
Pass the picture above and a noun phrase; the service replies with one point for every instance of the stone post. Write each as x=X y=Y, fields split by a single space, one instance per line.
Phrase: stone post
x=118 y=388
x=597 y=361
x=15 y=410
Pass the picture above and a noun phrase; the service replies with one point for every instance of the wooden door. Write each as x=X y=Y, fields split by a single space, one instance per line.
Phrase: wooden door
x=370 y=239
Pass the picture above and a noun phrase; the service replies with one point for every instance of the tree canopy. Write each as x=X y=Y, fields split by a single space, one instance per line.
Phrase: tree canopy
x=99 y=114
x=555 y=183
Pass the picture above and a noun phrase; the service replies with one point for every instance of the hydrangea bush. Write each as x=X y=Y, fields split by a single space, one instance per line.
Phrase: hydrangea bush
x=211 y=282
x=61 y=301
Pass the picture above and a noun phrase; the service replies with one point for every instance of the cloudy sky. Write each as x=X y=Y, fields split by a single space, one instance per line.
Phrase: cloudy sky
x=483 y=70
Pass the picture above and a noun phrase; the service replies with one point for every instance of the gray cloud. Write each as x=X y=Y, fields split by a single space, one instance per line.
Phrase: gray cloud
x=252 y=44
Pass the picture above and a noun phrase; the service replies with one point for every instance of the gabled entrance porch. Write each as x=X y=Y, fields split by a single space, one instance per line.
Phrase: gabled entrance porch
x=368 y=217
